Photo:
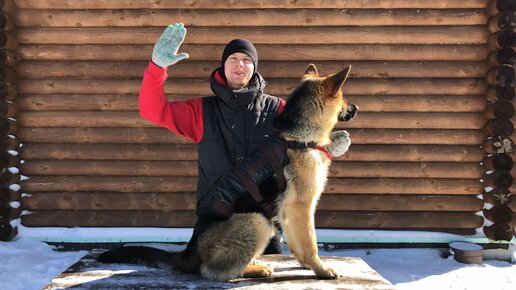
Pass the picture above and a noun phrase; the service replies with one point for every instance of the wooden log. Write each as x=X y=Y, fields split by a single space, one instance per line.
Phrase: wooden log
x=499 y=232
x=498 y=127
x=7 y=6
x=257 y=4
x=269 y=69
x=501 y=75
x=8 y=92
x=189 y=168
x=366 y=120
x=163 y=136
x=7 y=231
x=8 y=41
x=498 y=197
x=8 y=160
x=110 y=201
x=8 y=75
x=503 y=20
x=109 y=167
x=498 y=179
x=505 y=55
x=185 y=152
x=8 y=58
x=249 y=17
x=268 y=52
x=281 y=87
x=262 y=35
x=498 y=144
x=188 y=184
x=8 y=213
x=500 y=94
x=323 y=219
x=501 y=39
x=186 y=201
x=7 y=109
x=403 y=186
x=367 y=103
x=177 y=152
x=497 y=6
x=8 y=178
x=397 y=220
x=8 y=126
x=6 y=22
x=499 y=110
x=501 y=162
x=406 y=170
x=499 y=214
x=9 y=143
x=8 y=195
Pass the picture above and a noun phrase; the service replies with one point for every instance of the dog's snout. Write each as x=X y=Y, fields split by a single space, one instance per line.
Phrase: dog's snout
x=353 y=110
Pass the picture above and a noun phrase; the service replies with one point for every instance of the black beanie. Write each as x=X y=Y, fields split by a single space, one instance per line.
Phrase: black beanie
x=243 y=46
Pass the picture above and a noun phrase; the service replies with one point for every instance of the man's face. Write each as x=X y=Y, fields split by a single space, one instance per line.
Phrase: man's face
x=238 y=69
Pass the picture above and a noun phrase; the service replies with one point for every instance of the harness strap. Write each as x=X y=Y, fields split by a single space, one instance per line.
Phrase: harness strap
x=296 y=145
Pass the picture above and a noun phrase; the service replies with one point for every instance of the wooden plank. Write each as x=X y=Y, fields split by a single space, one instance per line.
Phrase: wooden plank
x=364 y=120
x=323 y=219
x=280 y=87
x=229 y=4
x=178 y=152
x=188 y=184
x=88 y=135
x=398 y=220
x=261 y=35
x=184 y=152
x=186 y=201
x=269 y=69
x=367 y=103
x=268 y=52
x=189 y=168
x=248 y=17
x=89 y=274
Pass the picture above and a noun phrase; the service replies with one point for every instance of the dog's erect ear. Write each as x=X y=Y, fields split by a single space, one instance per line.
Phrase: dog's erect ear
x=334 y=82
x=312 y=70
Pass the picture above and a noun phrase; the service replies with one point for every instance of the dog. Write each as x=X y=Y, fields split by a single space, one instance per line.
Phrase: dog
x=225 y=249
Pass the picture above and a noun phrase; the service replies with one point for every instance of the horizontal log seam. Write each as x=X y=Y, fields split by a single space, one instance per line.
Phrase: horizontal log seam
x=255 y=17
x=261 y=35
x=307 y=52
x=256 y=4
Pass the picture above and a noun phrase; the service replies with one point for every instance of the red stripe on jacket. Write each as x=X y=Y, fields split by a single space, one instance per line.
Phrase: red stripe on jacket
x=184 y=118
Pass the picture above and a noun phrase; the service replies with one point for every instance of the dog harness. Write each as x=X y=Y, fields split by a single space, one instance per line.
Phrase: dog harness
x=264 y=165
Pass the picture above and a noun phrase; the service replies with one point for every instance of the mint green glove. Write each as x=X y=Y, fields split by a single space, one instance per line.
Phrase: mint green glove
x=165 y=49
x=340 y=143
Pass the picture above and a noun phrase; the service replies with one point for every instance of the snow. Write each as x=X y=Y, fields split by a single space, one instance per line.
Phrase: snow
x=29 y=264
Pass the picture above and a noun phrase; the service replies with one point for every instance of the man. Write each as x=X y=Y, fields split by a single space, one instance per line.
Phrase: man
x=227 y=126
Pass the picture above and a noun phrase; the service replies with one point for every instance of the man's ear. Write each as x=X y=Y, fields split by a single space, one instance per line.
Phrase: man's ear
x=335 y=82
x=311 y=70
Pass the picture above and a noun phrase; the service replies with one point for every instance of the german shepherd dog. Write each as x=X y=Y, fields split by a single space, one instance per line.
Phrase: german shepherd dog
x=225 y=250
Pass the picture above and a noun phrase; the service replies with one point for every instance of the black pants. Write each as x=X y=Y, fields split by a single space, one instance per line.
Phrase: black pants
x=274 y=246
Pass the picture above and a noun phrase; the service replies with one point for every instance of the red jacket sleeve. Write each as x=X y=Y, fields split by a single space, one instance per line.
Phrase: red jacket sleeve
x=181 y=117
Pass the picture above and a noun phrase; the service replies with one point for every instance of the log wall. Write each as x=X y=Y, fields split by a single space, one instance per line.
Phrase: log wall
x=422 y=76
x=9 y=159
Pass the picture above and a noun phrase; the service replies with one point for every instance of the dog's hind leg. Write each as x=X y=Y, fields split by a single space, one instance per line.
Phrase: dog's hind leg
x=228 y=247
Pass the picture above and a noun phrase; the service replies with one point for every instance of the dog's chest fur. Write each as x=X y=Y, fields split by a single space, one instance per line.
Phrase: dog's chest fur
x=306 y=177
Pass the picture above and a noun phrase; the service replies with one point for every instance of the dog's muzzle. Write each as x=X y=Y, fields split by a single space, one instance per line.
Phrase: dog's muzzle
x=348 y=114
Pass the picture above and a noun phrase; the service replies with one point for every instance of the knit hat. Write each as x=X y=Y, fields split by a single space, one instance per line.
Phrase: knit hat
x=243 y=46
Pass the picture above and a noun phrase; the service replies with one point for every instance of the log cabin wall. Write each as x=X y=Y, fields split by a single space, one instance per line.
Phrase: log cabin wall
x=419 y=76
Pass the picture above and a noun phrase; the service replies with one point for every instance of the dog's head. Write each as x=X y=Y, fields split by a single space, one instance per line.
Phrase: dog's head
x=316 y=105
x=329 y=89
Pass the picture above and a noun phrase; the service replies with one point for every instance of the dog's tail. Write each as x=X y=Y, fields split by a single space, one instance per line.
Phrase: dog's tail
x=152 y=257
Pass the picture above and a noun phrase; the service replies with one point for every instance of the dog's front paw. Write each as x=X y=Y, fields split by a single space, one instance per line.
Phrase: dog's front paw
x=327 y=273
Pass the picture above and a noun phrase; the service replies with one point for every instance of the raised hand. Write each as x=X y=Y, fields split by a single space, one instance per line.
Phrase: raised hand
x=340 y=143
x=165 y=50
